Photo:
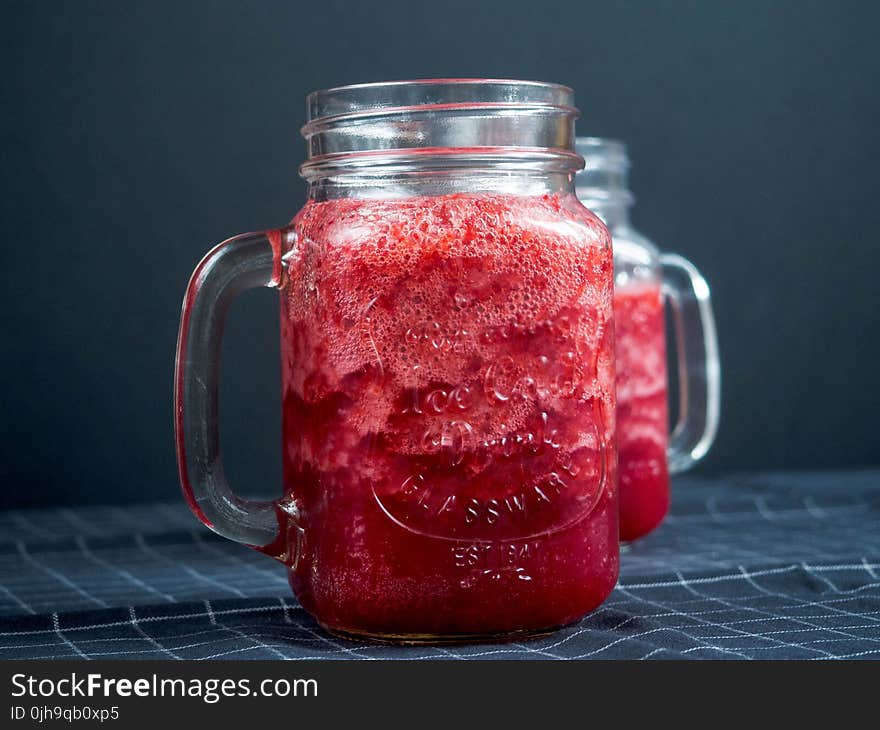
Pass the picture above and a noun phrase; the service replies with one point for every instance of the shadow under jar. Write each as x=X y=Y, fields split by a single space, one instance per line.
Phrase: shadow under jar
x=645 y=280
x=447 y=369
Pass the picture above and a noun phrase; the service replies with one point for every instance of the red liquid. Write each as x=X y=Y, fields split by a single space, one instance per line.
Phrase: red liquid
x=642 y=422
x=449 y=414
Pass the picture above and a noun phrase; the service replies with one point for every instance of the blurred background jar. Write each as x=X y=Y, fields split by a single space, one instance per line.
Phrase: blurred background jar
x=645 y=280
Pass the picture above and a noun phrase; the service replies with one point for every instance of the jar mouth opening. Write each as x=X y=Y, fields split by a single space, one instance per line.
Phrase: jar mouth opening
x=376 y=97
x=474 y=109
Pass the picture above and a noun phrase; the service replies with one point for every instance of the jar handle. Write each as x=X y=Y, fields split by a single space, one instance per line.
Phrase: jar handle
x=699 y=370
x=239 y=263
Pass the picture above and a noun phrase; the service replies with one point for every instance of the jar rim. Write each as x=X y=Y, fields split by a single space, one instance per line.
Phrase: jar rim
x=486 y=117
x=367 y=99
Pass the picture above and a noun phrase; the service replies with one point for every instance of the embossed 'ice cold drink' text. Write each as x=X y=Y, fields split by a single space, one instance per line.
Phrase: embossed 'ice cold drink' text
x=448 y=396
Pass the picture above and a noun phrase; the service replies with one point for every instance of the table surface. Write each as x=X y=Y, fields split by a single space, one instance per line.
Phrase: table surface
x=747 y=566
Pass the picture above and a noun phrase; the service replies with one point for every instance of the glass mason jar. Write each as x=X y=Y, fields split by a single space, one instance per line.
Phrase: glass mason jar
x=447 y=368
x=644 y=278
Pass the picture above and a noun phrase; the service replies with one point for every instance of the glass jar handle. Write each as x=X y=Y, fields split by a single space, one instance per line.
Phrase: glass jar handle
x=240 y=263
x=699 y=370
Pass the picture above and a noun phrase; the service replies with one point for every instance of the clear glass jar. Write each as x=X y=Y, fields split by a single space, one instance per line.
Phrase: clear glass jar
x=447 y=368
x=644 y=279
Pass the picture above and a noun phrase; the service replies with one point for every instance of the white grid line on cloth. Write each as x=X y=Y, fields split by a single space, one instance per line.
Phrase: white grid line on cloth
x=834 y=614
x=284 y=607
x=543 y=651
x=123 y=516
x=735 y=652
x=502 y=650
x=814 y=509
x=236 y=634
x=686 y=616
x=701 y=646
x=654 y=630
x=659 y=629
x=801 y=620
x=756 y=620
x=141 y=542
x=851 y=656
x=187 y=634
x=575 y=634
x=285 y=611
x=505 y=650
x=628 y=637
x=336 y=645
x=779 y=515
x=241 y=650
x=700 y=643
x=662 y=628
x=317 y=635
x=740 y=632
x=451 y=654
x=844 y=599
x=30 y=559
x=56 y=628
x=713 y=510
x=215 y=551
x=150 y=619
x=79 y=524
x=28 y=525
x=194 y=645
x=651 y=631
x=20 y=603
x=811 y=603
x=859 y=589
x=137 y=627
x=257 y=643
x=764 y=511
x=89 y=555
x=743 y=576
x=620 y=603
x=653 y=652
x=867 y=566
x=802 y=631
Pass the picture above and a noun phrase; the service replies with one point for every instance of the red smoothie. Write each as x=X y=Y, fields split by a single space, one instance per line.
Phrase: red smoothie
x=642 y=421
x=449 y=413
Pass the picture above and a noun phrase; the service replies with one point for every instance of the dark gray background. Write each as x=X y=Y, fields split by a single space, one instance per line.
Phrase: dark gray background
x=136 y=135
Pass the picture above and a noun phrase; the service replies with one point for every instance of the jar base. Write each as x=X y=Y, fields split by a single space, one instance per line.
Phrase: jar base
x=438 y=639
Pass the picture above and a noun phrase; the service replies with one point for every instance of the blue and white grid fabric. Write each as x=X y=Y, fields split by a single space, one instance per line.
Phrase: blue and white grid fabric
x=754 y=566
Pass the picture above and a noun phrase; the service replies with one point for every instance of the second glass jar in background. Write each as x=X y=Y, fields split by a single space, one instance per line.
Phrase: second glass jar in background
x=644 y=280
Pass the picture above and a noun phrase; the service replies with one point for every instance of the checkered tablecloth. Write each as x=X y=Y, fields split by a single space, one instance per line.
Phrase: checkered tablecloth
x=757 y=566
